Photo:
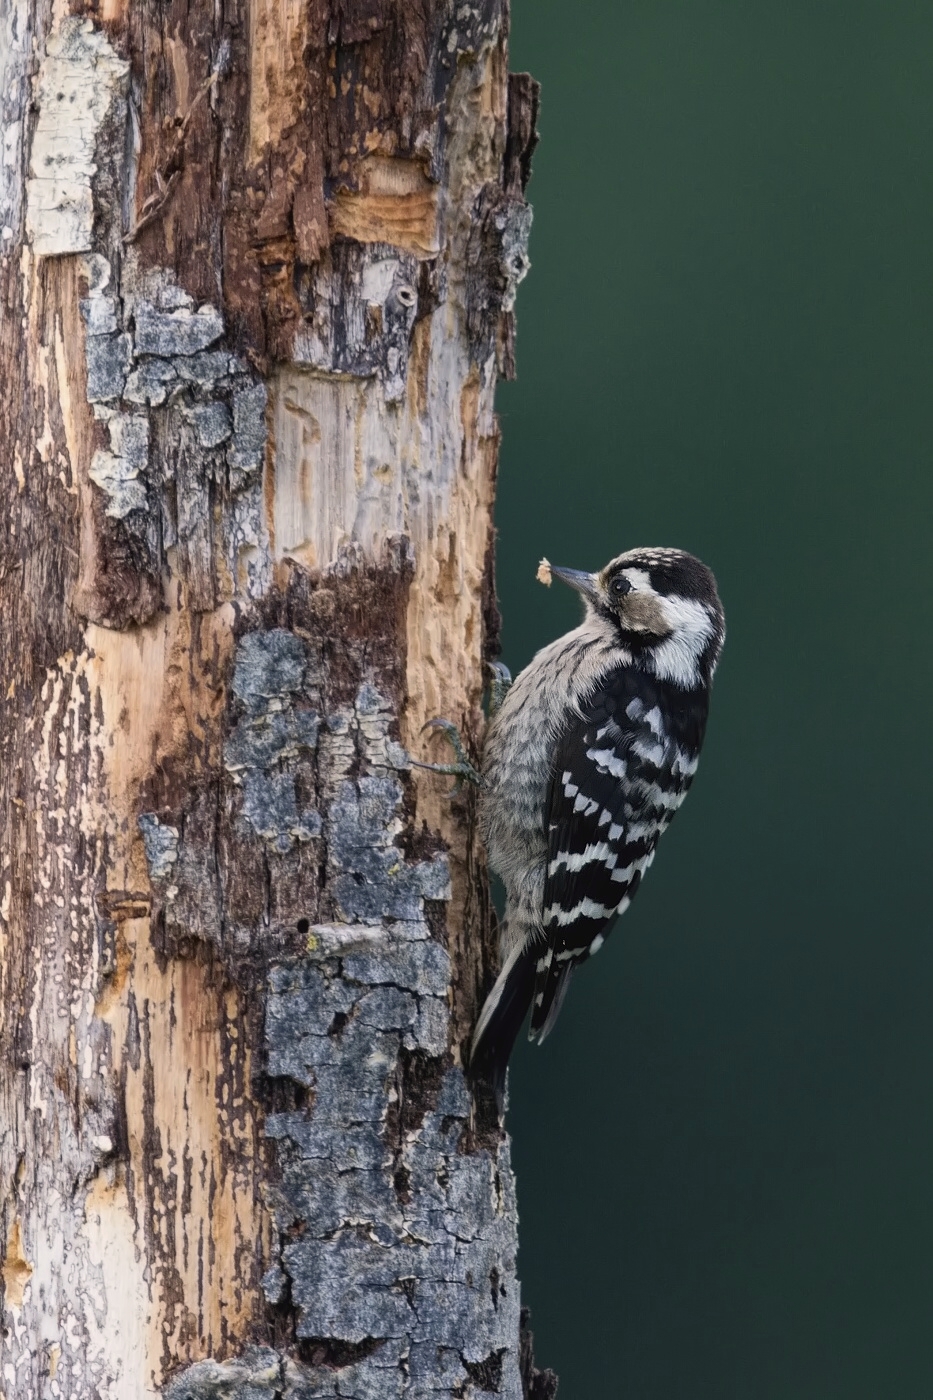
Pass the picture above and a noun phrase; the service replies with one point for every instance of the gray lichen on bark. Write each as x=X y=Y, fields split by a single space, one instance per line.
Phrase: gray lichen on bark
x=269 y=671
x=187 y=435
x=407 y=1242
x=394 y=1230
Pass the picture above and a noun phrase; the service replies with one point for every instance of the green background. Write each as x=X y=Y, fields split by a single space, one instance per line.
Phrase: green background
x=725 y=1152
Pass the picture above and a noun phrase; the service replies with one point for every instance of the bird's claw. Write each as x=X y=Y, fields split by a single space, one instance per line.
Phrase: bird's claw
x=499 y=685
x=463 y=770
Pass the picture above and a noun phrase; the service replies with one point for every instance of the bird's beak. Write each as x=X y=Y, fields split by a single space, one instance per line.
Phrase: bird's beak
x=587 y=584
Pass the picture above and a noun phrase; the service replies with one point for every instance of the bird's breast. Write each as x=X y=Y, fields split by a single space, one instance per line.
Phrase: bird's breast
x=521 y=740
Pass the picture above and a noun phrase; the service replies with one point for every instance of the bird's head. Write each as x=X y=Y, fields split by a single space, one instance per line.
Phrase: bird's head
x=665 y=608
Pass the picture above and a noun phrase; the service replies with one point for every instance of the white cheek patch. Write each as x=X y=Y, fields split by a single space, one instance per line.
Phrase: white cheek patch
x=676 y=659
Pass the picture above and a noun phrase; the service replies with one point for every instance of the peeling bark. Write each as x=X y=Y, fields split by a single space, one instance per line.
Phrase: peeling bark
x=257 y=280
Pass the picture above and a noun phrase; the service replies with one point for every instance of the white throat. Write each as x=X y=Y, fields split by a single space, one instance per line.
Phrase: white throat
x=677 y=659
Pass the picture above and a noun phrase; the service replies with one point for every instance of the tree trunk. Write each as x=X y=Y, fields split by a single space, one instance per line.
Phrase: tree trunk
x=257 y=268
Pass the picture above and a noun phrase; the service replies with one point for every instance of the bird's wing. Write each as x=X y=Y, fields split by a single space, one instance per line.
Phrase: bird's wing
x=619 y=774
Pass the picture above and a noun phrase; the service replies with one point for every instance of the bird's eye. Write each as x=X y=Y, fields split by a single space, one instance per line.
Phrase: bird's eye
x=619 y=586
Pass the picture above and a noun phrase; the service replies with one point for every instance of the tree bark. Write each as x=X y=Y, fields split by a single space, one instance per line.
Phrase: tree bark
x=257 y=271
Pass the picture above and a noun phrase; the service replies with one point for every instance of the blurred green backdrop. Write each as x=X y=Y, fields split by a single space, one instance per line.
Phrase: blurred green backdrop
x=725 y=1153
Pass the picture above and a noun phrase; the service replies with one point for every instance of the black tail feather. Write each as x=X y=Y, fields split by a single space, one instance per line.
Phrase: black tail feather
x=500 y=1021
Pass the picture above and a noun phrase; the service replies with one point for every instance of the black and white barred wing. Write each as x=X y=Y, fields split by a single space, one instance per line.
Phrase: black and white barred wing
x=619 y=776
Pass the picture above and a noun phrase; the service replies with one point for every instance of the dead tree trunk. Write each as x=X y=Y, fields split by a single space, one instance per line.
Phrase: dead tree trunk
x=257 y=268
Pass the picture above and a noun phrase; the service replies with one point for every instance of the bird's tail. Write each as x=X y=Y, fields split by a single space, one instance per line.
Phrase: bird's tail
x=503 y=1012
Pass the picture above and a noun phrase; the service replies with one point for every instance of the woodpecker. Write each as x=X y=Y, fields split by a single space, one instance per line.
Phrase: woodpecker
x=584 y=764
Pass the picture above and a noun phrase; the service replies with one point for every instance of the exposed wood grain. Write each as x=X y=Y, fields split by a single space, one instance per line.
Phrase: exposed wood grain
x=394 y=203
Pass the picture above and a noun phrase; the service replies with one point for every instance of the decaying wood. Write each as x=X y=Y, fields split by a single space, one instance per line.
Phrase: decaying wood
x=257 y=276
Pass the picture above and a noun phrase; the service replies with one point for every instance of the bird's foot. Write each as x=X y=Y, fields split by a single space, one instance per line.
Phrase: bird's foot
x=463 y=770
x=498 y=686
